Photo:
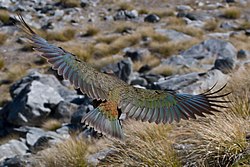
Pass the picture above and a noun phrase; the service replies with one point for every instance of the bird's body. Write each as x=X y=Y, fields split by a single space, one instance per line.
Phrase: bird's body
x=118 y=97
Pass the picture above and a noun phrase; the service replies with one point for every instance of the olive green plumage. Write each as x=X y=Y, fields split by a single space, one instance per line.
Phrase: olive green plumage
x=117 y=96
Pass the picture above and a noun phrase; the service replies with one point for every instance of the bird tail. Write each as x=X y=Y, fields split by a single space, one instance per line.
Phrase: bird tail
x=102 y=123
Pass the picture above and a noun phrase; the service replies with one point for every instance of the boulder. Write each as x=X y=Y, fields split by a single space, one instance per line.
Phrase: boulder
x=126 y=15
x=225 y=65
x=152 y=18
x=174 y=35
x=12 y=148
x=122 y=69
x=64 y=111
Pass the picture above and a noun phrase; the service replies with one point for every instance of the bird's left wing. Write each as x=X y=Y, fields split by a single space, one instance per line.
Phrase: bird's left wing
x=166 y=106
x=95 y=84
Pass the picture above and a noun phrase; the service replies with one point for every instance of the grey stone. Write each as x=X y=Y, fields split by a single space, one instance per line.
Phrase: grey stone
x=46 y=79
x=229 y=25
x=122 y=69
x=12 y=148
x=243 y=54
x=211 y=48
x=64 y=111
x=226 y=65
x=174 y=35
x=126 y=15
x=34 y=134
x=32 y=104
x=94 y=159
x=184 y=8
x=152 y=18
x=79 y=113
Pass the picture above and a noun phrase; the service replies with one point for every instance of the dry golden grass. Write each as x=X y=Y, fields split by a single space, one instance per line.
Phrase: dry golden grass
x=106 y=39
x=16 y=72
x=244 y=25
x=163 y=12
x=91 y=31
x=70 y=153
x=150 y=60
x=2 y=64
x=164 y=70
x=232 y=13
x=70 y=3
x=192 y=31
x=175 y=21
x=125 y=6
x=123 y=42
x=8 y=137
x=62 y=36
x=146 y=145
x=51 y=124
x=167 y=49
x=149 y=32
x=83 y=52
x=102 y=62
x=213 y=141
x=4 y=16
x=211 y=25
x=124 y=27
x=240 y=41
x=3 y=38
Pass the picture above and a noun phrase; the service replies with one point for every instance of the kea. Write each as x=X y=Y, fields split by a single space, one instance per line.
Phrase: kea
x=117 y=98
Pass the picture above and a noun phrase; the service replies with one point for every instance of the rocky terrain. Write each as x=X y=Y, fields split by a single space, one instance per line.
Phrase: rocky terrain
x=183 y=45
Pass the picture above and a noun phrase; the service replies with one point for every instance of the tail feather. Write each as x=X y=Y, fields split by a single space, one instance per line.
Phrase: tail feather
x=103 y=124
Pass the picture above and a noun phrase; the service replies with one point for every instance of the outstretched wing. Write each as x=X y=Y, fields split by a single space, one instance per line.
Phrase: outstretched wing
x=166 y=106
x=95 y=84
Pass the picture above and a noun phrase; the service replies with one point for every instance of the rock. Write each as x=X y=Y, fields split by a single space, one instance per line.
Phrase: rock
x=94 y=159
x=152 y=18
x=230 y=1
x=64 y=111
x=144 y=68
x=18 y=161
x=243 y=54
x=225 y=65
x=211 y=48
x=32 y=104
x=35 y=135
x=126 y=15
x=12 y=148
x=122 y=69
x=247 y=32
x=45 y=79
x=193 y=83
x=79 y=113
x=135 y=54
x=229 y=25
x=184 y=8
x=174 y=35
x=202 y=16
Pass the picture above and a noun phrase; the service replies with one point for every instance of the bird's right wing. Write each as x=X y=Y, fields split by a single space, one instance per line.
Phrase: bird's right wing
x=95 y=84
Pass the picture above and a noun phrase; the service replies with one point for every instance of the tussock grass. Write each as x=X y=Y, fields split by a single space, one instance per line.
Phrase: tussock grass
x=124 y=41
x=232 y=13
x=9 y=137
x=51 y=124
x=62 y=36
x=3 y=38
x=70 y=3
x=213 y=141
x=70 y=153
x=240 y=41
x=4 y=16
x=104 y=61
x=164 y=70
x=124 y=27
x=149 y=32
x=91 y=31
x=2 y=64
x=106 y=39
x=125 y=6
x=149 y=59
x=167 y=49
x=83 y=52
x=211 y=25
x=146 y=145
x=163 y=12
x=192 y=31
x=16 y=72
x=244 y=25
x=175 y=21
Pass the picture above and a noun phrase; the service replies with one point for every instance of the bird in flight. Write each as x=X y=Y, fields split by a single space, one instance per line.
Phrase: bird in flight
x=117 y=97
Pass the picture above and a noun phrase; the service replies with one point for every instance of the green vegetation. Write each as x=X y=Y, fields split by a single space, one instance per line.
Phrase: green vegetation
x=4 y=16
x=3 y=38
x=1 y=63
